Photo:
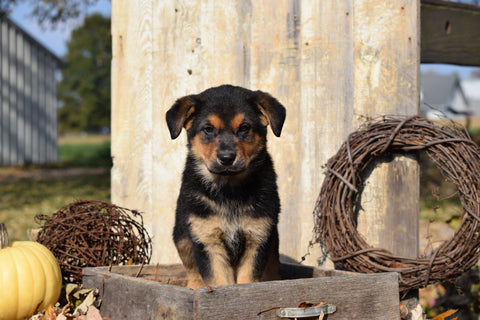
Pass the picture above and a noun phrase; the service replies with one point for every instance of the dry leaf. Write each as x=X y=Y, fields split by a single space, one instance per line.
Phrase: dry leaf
x=79 y=300
x=93 y=314
x=49 y=314
x=417 y=313
x=446 y=314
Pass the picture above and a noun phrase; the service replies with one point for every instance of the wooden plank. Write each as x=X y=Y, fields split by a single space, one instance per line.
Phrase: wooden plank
x=275 y=68
x=386 y=81
x=127 y=294
x=326 y=116
x=134 y=298
x=450 y=33
x=177 y=40
x=373 y=296
x=192 y=54
x=132 y=86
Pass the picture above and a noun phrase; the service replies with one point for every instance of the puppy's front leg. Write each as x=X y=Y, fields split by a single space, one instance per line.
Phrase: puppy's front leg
x=209 y=251
x=261 y=251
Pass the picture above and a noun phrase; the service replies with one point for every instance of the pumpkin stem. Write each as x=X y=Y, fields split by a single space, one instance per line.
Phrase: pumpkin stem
x=3 y=236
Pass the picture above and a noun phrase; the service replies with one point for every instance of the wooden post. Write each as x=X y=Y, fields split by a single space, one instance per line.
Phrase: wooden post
x=331 y=63
x=386 y=62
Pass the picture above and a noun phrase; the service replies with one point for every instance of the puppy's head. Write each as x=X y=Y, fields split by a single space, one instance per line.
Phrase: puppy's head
x=226 y=127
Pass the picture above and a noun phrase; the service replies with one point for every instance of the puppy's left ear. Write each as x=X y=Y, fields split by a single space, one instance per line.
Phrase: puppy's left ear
x=180 y=115
x=272 y=109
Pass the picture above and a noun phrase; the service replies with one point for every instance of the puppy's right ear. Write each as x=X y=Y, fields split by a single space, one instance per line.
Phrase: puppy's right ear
x=180 y=115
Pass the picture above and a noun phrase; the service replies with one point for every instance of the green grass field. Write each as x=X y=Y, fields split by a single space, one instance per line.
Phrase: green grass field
x=22 y=198
x=87 y=151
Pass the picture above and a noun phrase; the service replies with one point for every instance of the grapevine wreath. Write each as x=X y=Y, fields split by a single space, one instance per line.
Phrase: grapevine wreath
x=458 y=159
x=92 y=233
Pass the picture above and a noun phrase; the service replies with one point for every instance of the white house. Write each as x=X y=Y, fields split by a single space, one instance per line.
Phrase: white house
x=28 y=98
x=471 y=88
x=443 y=95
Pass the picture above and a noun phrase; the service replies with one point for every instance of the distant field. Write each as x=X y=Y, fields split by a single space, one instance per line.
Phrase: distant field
x=83 y=139
x=26 y=192
x=85 y=151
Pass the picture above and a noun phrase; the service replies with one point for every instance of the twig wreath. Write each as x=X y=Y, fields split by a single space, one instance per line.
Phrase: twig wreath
x=458 y=159
x=92 y=233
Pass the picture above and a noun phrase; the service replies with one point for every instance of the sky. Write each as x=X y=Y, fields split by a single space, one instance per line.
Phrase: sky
x=56 y=40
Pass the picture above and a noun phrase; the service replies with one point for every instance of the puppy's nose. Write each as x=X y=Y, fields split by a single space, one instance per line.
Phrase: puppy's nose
x=226 y=158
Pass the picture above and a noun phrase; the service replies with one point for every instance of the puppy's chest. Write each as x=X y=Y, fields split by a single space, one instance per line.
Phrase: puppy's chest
x=230 y=221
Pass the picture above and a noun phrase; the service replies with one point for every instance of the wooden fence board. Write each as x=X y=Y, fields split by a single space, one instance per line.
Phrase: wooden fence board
x=330 y=63
x=386 y=81
x=450 y=33
x=132 y=106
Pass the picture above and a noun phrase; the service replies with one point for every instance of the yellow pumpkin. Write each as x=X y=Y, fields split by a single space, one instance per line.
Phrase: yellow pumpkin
x=30 y=279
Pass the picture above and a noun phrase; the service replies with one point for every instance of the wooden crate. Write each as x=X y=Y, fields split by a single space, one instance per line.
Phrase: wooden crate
x=157 y=292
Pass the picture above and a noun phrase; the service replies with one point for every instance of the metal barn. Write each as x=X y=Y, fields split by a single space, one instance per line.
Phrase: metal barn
x=28 y=98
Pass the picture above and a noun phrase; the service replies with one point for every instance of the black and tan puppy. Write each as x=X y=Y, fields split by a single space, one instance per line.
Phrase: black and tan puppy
x=227 y=211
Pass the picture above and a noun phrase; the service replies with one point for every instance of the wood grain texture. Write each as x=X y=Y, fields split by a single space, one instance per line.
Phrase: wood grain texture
x=196 y=45
x=356 y=296
x=450 y=33
x=275 y=68
x=326 y=115
x=386 y=62
x=134 y=298
x=132 y=107
x=330 y=63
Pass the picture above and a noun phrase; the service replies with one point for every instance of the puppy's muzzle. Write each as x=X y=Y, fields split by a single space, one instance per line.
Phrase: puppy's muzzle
x=227 y=164
x=226 y=158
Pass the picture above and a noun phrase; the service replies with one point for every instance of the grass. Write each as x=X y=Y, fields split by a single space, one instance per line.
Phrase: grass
x=87 y=151
x=24 y=199
x=21 y=199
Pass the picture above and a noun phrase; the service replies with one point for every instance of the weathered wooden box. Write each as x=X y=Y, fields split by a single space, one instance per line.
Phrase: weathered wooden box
x=157 y=292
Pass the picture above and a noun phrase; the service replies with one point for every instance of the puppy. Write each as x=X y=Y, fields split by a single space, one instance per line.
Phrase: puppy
x=227 y=211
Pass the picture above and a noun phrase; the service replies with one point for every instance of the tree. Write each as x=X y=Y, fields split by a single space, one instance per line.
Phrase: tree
x=50 y=12
x=85 y=85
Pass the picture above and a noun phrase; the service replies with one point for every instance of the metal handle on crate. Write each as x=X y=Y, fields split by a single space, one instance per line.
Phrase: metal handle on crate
x=306 y=312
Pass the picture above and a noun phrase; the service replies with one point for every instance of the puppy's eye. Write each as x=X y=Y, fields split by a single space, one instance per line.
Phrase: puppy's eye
x=208 y=130
x=244 y=128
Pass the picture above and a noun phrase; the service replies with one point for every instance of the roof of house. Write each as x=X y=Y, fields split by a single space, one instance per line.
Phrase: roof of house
x=437 y=89
x=4 y=17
